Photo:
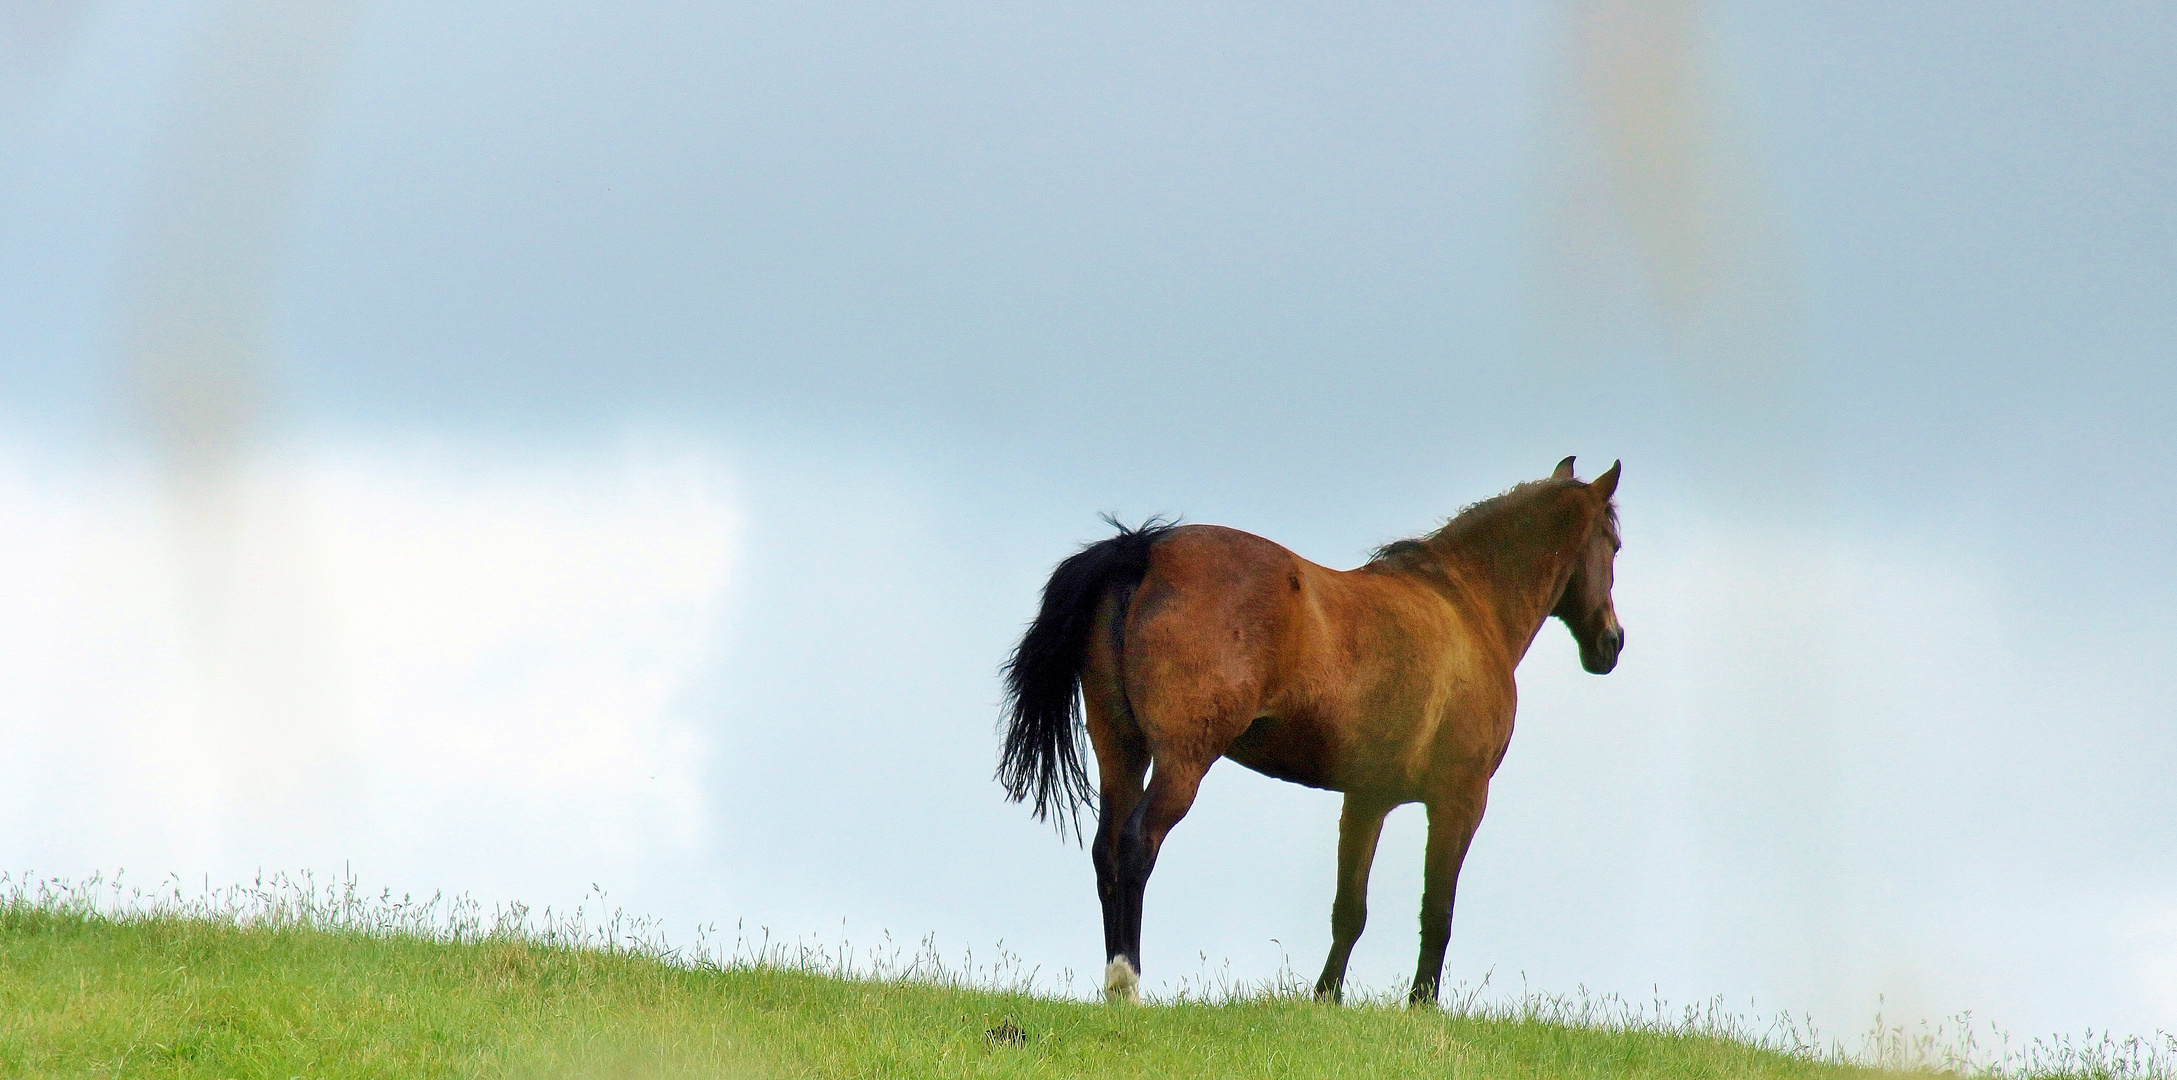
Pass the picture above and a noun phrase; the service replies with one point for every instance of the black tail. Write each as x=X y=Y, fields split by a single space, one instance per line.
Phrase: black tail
x=1042 y=757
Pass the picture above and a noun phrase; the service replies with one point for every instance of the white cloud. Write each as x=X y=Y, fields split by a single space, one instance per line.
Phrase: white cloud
x=457 y=670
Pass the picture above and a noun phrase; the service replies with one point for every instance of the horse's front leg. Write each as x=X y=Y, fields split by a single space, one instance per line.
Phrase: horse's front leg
x=1360 y=825
x=1453 y=817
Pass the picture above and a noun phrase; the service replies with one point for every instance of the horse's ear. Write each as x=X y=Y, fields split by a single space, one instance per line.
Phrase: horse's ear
x=1564 y=470
x=1607 y=484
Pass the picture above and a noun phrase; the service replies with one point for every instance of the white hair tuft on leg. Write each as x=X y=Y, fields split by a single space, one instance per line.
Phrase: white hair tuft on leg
x=1122 y=984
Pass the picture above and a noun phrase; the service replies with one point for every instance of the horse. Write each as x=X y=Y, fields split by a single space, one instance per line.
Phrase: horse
x=1391 y=683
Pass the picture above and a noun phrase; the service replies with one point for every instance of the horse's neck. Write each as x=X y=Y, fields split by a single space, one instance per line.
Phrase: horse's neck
x=1523 y=579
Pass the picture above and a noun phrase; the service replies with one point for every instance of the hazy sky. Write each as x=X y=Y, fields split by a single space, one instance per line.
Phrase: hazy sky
x=515 y=448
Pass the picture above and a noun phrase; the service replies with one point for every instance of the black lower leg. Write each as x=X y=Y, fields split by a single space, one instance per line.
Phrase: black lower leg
x=1134 y=859
x=1107 y=879
x=1435 y=938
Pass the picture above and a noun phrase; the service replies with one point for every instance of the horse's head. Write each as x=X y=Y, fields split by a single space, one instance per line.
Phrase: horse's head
x=1585 y=606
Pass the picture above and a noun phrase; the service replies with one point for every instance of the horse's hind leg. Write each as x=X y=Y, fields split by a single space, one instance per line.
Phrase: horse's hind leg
x=1172 y=785
x=1121 y=763
x=1360 y=825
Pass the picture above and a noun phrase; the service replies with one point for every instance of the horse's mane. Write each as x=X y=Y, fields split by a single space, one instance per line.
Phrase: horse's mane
x=1479 y=521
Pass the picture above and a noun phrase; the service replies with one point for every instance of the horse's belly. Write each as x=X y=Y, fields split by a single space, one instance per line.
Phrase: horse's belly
x=1285 y=750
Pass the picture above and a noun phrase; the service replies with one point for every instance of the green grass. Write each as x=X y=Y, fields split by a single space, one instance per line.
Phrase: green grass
x=276 y=986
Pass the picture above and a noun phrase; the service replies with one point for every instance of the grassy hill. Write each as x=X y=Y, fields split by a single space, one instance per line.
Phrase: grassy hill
x=286 y=990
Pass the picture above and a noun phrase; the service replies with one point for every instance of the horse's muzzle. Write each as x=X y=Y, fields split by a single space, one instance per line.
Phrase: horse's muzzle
x=1602 y=655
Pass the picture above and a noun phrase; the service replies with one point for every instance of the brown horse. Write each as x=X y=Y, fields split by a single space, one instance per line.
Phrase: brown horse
x=1391 y=683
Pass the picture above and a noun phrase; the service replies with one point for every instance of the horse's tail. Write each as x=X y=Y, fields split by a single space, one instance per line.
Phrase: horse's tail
x=1041 y=762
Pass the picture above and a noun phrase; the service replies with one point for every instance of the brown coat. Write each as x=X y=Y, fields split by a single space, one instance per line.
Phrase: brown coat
x=1392 y=683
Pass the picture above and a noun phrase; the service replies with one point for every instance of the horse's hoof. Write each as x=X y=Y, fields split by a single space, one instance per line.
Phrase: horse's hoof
x=1122 y=984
